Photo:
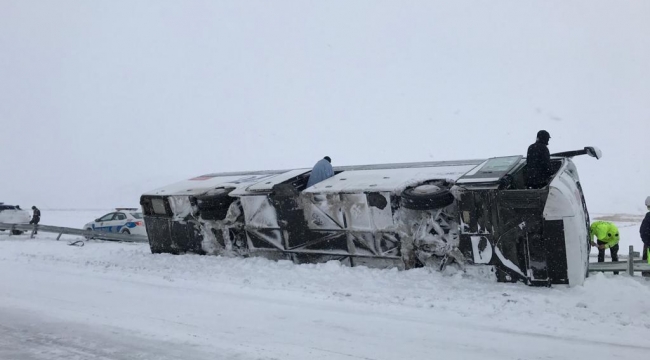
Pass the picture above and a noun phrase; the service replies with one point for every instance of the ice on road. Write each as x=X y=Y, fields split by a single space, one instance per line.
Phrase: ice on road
x=118 y=301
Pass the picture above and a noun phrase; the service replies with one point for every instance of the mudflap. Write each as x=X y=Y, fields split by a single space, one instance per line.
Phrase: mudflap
x=159 y=234
x=538 y=273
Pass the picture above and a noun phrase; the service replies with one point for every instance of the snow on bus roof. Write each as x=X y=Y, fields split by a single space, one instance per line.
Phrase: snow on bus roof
x=246 y=182
x=393 y=180
x=202 y=184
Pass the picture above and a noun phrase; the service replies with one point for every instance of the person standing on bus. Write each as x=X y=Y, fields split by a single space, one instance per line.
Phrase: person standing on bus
x=321 y=171
x=538 y=160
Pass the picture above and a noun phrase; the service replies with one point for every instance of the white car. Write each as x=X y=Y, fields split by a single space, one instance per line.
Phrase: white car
x=13 y=214
x=122 y=221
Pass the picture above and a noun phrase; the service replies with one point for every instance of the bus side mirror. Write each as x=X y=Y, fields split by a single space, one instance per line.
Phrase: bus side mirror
x=593 y=152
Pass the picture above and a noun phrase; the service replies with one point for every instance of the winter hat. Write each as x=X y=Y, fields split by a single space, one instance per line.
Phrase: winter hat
x=329 y=160
x=543 y=135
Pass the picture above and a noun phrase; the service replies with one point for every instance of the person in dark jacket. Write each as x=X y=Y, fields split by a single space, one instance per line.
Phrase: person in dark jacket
x=538 y=170
x=645 y=235
x=321 y=171
x=36 y=217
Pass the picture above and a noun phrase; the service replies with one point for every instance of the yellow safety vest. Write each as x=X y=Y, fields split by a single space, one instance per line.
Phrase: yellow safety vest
x=606 y=232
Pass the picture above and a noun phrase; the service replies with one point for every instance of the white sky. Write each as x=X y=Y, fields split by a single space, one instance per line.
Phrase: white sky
x=103 y=100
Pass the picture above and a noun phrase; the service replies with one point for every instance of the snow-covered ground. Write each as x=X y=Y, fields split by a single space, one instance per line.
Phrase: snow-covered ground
x=118 y=301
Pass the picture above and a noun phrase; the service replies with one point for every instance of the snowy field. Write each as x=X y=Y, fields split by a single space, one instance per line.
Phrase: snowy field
x=118 y=301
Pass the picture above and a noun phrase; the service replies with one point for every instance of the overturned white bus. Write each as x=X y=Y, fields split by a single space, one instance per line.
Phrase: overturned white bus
x=471 y=213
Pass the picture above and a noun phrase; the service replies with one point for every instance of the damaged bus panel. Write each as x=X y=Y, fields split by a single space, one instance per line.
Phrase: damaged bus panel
x=474 y=213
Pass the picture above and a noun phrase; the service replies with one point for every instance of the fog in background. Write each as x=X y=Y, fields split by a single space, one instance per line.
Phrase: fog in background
x=103 y=100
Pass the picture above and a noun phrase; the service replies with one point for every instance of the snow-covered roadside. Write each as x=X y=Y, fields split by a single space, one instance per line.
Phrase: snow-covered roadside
x=255 y=308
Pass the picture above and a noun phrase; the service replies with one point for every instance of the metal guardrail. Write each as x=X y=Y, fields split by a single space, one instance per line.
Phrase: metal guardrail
x=98 y=235
x=631 y=265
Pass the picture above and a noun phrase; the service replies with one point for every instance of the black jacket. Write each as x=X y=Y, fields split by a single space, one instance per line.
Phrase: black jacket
x=538 y=169
x=37 y=213
x=645 y=230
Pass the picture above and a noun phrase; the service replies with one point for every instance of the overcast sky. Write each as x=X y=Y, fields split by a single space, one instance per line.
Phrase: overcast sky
x=103 y=100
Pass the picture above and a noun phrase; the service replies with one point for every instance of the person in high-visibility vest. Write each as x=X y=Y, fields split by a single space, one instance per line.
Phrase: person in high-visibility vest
x=607 y=237
x=645 y=235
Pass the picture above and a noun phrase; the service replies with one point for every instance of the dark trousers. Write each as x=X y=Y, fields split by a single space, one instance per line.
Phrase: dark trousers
x=35 y=220
x=612 y=251
x=645 y=257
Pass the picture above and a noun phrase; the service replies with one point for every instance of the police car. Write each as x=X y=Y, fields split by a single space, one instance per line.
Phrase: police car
x=13 y=214
x=122 y=221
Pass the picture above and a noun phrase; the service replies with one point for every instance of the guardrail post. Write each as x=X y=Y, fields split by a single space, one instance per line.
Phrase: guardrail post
x=630 y=261
x=11 y=231
x=58 y=237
